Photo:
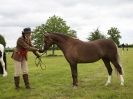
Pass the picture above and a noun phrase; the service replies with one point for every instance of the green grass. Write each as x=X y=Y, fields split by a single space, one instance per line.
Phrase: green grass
x=56 y=83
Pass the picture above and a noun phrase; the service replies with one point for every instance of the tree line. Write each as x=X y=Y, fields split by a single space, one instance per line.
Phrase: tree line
x=113 y=33
x=56 y=24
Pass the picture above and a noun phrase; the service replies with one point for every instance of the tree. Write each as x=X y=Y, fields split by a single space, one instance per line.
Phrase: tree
x=38 y=34
x=114 y=34
x=72 y=33
x=2 y=40
x=96 y=35
x=54 y=24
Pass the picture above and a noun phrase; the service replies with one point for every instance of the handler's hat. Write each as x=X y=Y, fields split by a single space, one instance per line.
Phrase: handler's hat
x=27 y=30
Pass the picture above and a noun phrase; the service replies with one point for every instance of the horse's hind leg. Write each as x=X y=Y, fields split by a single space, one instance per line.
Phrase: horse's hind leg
x=3 y=66
x=109 y=68
x=118 y=67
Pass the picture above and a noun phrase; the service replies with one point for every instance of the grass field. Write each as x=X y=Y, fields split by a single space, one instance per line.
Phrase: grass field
x=56 y=83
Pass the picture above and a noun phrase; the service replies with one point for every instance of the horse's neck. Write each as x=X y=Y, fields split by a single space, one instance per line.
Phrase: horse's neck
x=61 y=43
x=62 y=46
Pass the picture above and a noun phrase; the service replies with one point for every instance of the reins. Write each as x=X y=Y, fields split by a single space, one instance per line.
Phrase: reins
x=38 y=62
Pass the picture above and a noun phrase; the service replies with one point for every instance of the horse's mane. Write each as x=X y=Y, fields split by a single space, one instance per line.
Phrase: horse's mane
x=61 y=35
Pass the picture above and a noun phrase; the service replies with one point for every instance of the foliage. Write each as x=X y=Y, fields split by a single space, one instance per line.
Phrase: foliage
x=96 y=35
x=54 y=24
x=2 y=40
x=38 y=35
x=72 y=33
x=114 y=34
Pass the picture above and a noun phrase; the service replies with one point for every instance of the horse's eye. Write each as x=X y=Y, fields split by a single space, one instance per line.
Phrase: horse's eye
x=44 y=44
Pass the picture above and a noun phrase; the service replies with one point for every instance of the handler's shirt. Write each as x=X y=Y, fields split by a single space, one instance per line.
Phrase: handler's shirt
x=22 y=47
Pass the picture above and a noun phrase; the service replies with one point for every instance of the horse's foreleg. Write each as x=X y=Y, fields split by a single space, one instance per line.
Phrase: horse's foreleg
x=74 y=74
x=3 y=66
x=109 y=68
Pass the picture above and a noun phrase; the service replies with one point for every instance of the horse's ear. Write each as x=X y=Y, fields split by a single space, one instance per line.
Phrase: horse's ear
x=46 y=35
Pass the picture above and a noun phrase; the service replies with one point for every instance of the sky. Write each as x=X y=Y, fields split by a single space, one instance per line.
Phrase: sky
x=84 y=16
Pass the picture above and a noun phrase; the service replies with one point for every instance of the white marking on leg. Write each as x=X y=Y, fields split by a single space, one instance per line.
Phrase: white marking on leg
x=5 y=74
x=75 y=87
x=122 y=80
x=3 y=66
x=2 y=61
x=108 y=81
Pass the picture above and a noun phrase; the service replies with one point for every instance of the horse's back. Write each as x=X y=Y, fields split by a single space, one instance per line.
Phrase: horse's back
x=108 y=48
x=106 y=44
x=100 y=45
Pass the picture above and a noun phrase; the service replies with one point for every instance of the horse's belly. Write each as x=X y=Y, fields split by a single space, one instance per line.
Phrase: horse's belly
x=88 y=59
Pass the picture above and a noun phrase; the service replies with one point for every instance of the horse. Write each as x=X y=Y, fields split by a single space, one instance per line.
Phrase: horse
x=2 y=59
x=77 y=51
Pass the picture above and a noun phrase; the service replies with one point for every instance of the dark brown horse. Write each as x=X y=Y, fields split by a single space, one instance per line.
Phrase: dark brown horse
x=77 y=51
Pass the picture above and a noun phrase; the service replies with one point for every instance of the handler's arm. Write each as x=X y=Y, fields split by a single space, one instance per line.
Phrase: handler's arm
x=22 y=43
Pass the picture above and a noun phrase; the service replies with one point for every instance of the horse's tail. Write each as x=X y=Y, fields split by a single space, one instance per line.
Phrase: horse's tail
x=118 y=60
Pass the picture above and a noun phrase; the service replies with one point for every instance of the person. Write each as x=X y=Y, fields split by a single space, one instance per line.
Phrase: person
x=20 y=57
x=127 y=47
x=123 y=46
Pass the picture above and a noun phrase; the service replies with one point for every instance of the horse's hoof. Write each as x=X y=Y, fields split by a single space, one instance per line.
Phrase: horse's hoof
x=108 y=83
x=75 y=87
x=5 y=74
x=122 y=84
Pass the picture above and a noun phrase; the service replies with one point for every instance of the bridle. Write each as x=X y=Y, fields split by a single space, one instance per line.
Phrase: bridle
x=38 y=61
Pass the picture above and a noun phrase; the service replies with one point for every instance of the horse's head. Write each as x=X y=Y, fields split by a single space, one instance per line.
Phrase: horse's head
x=53 y=38
x=48 y=41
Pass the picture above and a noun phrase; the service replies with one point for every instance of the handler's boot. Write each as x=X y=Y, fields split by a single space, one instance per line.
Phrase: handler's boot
x=16 y=81
x=26 y=81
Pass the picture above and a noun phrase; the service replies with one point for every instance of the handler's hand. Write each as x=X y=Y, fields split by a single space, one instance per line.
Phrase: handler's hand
x=37 y=55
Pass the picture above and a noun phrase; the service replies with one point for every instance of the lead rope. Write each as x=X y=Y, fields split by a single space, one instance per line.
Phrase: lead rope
x=38 y=62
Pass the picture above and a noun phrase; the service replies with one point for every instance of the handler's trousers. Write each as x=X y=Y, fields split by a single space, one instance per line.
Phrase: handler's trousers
x=20 y=66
